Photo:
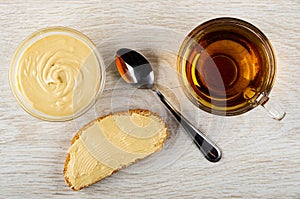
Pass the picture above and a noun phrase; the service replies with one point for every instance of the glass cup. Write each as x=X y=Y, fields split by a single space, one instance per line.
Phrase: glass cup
x=227 y=66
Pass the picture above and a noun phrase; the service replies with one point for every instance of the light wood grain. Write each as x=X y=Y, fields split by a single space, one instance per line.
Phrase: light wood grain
x=261 y=156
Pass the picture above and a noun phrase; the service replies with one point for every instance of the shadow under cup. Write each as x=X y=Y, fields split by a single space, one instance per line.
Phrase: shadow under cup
x=227 y=66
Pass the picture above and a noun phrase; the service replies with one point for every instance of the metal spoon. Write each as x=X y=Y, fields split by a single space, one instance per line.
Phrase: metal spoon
x=135 y=69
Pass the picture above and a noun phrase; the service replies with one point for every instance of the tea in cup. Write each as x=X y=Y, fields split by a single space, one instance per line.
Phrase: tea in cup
x=227 y=66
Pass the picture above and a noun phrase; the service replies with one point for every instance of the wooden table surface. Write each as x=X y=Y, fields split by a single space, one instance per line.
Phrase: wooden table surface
x=261 y=157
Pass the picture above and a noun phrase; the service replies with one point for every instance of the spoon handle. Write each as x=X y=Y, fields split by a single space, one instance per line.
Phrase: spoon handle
x=207 y=147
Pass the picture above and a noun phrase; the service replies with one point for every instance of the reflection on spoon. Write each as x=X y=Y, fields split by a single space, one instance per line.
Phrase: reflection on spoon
x=135 y=69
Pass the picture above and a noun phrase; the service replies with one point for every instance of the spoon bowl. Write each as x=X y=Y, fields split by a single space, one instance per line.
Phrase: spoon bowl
x=135 y=68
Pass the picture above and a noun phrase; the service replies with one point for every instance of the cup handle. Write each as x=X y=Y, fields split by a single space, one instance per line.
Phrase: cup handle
x=272 y=108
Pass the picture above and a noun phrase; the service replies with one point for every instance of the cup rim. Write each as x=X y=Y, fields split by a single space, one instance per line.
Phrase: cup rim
x=268 y=48
x=32 y=38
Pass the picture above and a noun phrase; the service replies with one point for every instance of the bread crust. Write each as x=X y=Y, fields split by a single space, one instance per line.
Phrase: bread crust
x=76 y=137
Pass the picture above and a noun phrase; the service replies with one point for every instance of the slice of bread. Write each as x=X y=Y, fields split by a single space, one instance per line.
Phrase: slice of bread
x=110 y=143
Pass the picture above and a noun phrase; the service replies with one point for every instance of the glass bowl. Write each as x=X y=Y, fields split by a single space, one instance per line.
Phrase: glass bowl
x=56 y=73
